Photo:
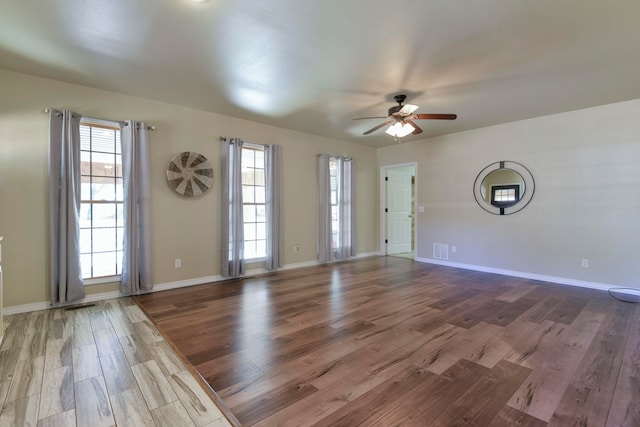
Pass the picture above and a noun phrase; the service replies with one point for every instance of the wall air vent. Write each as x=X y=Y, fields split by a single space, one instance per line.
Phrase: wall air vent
x=440 y=251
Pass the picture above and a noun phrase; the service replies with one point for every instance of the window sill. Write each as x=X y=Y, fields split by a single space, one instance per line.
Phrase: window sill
x=100 y=280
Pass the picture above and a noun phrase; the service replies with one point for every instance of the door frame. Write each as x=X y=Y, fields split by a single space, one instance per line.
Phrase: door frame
x=383 y=205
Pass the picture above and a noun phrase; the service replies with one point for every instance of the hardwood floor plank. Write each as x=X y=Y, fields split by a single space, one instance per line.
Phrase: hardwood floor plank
x=509 y=417
x=625 y=410
x=476 y=406
x=558 y=349
x=272 y=401
x=58 y=353
x=588 y=397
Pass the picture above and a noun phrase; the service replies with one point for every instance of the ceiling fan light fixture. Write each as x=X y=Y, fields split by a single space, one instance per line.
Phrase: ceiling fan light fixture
x=400 y=129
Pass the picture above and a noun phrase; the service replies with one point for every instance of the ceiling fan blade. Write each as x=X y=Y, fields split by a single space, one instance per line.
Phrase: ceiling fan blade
x=417 y=128
x=434 y=116
x=366 y=118
x=408 y=109
x=387 y=122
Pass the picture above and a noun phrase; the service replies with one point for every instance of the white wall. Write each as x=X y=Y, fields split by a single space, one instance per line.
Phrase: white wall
x=586 y=204
x=182 y=228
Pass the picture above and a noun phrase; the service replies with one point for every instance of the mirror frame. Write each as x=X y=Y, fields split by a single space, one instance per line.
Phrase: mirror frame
x=525 y=197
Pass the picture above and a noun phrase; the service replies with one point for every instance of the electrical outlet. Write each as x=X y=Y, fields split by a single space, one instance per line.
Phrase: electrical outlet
x=296 y=248
x=453 y=249
x=178 y=263
x=585 y=263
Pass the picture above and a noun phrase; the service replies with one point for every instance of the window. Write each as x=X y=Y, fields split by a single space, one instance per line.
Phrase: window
x=253 y=200
x=334 y=185
x=101 y=210
x=505 y=195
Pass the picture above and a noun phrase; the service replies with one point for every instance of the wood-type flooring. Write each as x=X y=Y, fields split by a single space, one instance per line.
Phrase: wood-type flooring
x=103 y=364
x=386 y=341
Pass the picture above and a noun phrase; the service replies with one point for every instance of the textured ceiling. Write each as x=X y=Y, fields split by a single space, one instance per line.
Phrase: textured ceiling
x=313 y=66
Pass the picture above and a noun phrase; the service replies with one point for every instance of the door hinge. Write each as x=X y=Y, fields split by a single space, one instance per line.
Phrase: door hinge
x=386 y=178
x=386 y=210
x=386 y=241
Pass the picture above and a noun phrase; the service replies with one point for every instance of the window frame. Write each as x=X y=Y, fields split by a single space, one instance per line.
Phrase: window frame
x=118 y=227
x=504 y=204
x=254 y=148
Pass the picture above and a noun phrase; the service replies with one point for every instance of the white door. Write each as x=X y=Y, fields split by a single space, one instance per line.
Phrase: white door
x=399 y=210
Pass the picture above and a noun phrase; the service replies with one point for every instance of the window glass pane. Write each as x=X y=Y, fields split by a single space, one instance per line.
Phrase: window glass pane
x=85 y=240
x=334 y=183
x=250 y=250
x=259 y=177
x=247 y=176
x=261 y=215
x=120 y=239
x=103 y=188
x=119 y=262
x=261 y=231
x=261 y=248
x=104 y=264
x=120 y=214
x=119 y=190
x=85 y=265
x=249 y=232
x=103 y=140
x=247 y=158
x=259 y=158
x=85 y=138
x=85 y=188
x=85 y=215
x=103 y=164
x=248 y=194
x=85 y=163
x=249 y=212
x=334 y=197
x=104 y=214
x=104 y=239
x=260 y=194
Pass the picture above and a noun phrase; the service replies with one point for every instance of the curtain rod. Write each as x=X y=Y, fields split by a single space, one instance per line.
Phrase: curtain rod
x=151 y=127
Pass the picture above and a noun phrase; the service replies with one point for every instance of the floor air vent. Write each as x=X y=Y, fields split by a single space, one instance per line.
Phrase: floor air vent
x=440 y=251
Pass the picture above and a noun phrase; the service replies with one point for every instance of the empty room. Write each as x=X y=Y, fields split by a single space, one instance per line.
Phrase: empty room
x=293 y=213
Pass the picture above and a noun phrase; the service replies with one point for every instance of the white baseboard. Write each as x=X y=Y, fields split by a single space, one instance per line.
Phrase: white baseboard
x=44 y=305
x=520 y=274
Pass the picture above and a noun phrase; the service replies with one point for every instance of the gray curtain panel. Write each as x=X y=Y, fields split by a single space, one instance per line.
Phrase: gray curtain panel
x=346 y=249
x=136 y=170
x=232 y=233
x=325 y=253
x=273 y=202
x=345 y=200
x=64 y=207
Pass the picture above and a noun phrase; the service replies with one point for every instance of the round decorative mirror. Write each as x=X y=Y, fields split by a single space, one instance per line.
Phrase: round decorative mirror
x=504 y=187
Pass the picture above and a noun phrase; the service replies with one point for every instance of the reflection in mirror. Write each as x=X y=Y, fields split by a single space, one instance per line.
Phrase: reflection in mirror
x=503 y=187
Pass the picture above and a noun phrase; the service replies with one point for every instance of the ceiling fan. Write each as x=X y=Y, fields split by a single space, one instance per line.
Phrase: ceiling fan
x=401 y=118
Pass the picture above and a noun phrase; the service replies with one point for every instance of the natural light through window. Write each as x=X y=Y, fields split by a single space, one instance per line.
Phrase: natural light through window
x=335 y=216
x=253 y=200
x=101 y=214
